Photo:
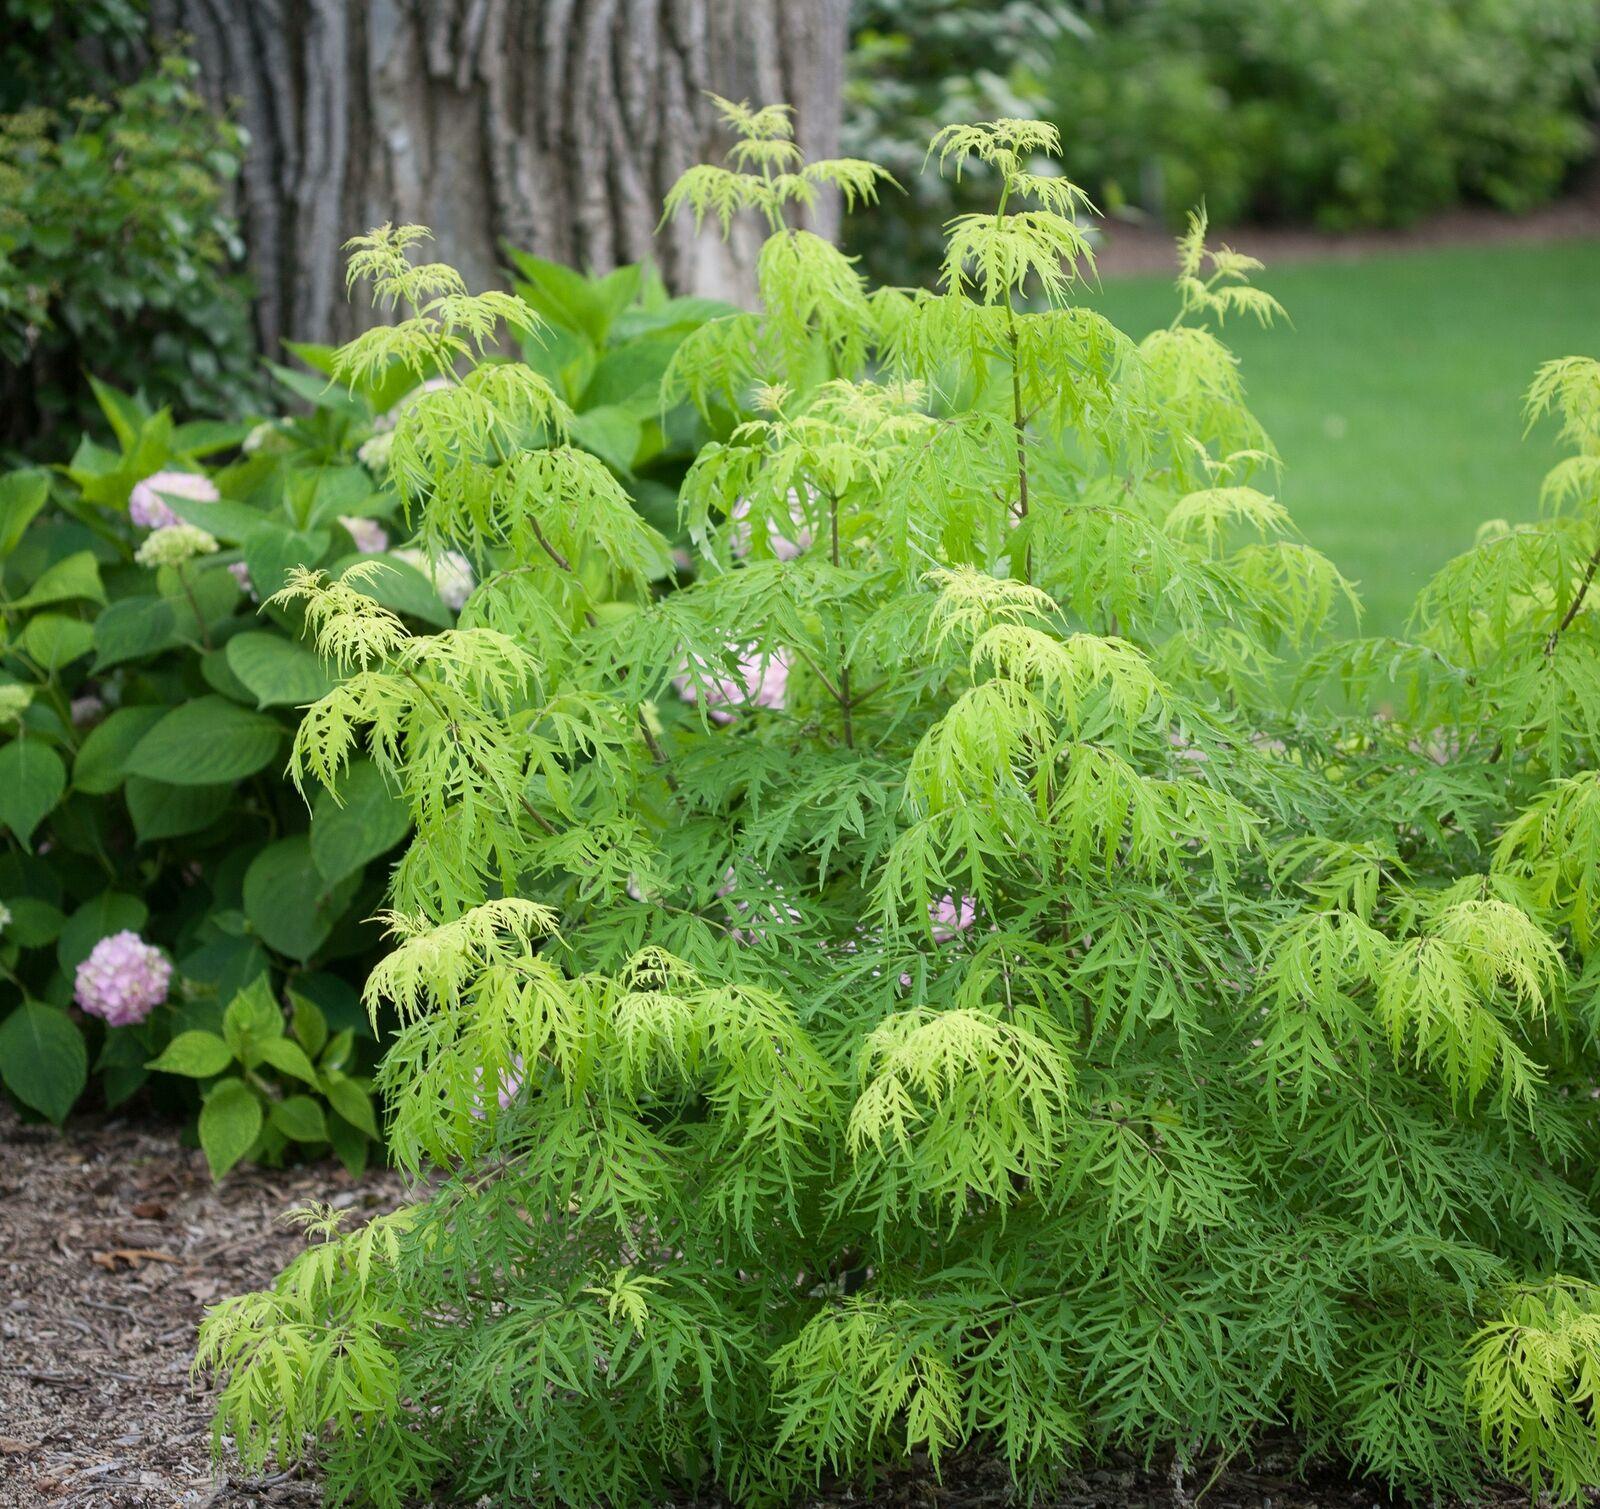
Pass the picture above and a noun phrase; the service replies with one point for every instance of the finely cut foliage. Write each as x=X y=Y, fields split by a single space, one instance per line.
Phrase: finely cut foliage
x=1040 y=1021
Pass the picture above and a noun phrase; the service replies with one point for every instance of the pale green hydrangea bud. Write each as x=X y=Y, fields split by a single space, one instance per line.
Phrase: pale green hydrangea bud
x=266 y=436
x=14 y=700
x=173 y=545
x=374 y=453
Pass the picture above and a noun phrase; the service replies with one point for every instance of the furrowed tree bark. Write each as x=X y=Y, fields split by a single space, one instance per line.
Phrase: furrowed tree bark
x=556 y=125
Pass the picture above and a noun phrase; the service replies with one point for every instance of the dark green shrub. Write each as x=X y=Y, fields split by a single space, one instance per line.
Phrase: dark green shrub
x=52 y=50
x=1343 y=113
x=1348 y=112
x=118 y=258
x=915 y=64
x=148 y=706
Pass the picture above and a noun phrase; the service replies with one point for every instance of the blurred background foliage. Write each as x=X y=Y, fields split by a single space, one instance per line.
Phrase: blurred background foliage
x=51 y=50
x=916 y=65
x=1338 y=114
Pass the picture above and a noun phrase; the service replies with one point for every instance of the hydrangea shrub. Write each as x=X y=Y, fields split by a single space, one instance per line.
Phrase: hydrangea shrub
x=147 y=698
x=156 y=864
x=1053 y=1026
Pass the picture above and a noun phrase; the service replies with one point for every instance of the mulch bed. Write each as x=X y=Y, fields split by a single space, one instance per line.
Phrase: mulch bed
x=112 y=1242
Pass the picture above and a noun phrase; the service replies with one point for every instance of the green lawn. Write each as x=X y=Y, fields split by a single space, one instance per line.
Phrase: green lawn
x=1395 y=396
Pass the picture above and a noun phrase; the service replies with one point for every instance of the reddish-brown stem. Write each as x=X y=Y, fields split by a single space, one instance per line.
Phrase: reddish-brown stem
x=1019 y=422
x=842 y=696
x=549 y=549
x=1576 y=605
x=657 y=754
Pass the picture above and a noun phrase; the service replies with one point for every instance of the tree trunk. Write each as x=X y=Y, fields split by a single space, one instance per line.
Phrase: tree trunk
x=555 y=125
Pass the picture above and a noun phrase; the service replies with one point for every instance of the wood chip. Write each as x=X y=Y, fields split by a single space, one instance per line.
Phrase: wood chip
x=132 y=1257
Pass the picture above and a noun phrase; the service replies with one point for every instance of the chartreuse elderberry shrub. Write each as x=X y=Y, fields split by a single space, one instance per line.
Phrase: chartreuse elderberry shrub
x=935 y=983
x=603 y=344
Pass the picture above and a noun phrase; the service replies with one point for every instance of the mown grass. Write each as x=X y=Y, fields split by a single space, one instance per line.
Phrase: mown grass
x=1395 y=397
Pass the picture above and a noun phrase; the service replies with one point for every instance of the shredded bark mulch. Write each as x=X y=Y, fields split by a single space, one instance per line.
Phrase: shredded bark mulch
x=113 y=1239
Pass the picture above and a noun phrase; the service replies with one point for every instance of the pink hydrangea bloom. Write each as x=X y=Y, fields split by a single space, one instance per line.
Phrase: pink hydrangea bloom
x=510 y=1087
x=148 y=510
x=241 y=574
x=373 y=452
x=451 y=574
x=780 y=912
x=784 y=546
x=370 y=537
x=763 y=681
x=123 y=980
x=950 y=915
x=87 y=709
x=453 y=579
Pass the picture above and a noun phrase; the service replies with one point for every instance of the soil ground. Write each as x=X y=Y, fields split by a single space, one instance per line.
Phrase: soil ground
x=112 y=1242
